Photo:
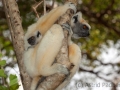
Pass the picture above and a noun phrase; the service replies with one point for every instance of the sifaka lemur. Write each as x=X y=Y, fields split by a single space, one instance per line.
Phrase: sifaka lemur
x=43 y=41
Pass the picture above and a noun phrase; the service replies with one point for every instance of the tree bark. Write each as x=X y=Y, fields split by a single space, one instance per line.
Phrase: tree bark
x=17 y=34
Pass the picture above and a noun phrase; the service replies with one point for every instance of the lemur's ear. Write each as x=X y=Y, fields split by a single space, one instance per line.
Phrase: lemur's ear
x=38 y=34
x=75 y=19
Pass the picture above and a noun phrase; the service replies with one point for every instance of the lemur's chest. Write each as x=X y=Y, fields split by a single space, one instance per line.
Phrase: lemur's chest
x=29 y=62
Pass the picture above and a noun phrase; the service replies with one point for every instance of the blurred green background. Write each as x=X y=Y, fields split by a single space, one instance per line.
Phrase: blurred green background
x=100 y=51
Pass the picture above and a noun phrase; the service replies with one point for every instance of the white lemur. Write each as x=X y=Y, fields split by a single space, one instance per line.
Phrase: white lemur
x=38 y=57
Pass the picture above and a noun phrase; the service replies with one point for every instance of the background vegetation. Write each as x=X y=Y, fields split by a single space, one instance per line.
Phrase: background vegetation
x=100 y=52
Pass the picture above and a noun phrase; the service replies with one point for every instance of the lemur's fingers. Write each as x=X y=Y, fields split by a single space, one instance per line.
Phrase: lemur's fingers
x=67 y=27
x=72 y=6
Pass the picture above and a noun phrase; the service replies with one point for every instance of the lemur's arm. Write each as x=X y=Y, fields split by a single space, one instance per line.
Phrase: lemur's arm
x=44 y=24
x=80 y=28
x=49 y=19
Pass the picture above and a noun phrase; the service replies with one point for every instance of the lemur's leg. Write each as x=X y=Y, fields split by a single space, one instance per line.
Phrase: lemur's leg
x=34 y=83
x=47 y=51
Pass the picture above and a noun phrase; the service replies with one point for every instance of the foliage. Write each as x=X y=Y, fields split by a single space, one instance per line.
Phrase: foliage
x=102 y=15
x=13 y=82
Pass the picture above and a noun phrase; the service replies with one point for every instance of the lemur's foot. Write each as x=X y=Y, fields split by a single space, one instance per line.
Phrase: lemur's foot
x=62 y=69
x=72 y=6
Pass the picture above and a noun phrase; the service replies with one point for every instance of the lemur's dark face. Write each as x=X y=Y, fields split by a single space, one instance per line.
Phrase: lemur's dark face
x=80 y=28
x=33 y=39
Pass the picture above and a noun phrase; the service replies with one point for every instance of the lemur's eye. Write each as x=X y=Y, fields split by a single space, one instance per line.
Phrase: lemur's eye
x=38 y=34
x=85 y=27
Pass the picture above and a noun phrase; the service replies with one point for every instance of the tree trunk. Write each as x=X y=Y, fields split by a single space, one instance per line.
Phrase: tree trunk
x=17 y=34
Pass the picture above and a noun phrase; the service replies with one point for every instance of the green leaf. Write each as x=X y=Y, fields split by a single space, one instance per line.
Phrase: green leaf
x=2 y=63
x=14 y=87
x=13 y=79
x=13 y=82
x=2 y=73
x=3 y=88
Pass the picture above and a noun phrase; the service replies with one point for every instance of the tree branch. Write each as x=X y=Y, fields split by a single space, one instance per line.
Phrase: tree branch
x=95 y=73
x=17 y=33
x=114 y=83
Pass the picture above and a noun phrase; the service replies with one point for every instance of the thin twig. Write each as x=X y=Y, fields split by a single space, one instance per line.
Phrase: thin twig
x=35 y=6
x=44 y=7
x=95 y=73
